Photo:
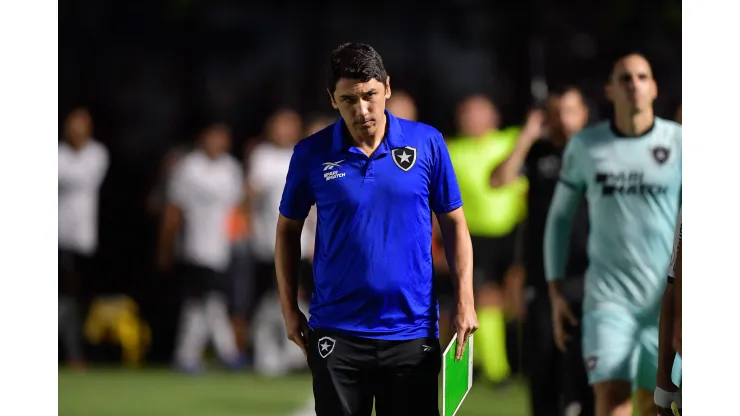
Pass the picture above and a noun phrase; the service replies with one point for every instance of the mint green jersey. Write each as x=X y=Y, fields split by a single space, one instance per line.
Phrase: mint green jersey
x=633 y=188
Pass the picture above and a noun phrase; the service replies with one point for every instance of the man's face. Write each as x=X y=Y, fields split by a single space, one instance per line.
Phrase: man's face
x=216 y=141
x=477 y=116
x=632 y=85
x=79 y=128
x=361 y=104
x=402 y=106
x=570 y=113
x=284 y=128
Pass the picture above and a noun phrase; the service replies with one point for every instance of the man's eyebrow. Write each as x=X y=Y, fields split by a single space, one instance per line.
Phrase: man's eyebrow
x=373 y=90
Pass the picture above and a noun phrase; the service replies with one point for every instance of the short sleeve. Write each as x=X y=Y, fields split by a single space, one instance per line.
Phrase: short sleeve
x=297 y=196
x=444 y=190
x=571 y=173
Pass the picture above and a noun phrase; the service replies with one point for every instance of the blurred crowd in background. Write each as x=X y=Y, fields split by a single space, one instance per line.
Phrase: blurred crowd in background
x=148 y=88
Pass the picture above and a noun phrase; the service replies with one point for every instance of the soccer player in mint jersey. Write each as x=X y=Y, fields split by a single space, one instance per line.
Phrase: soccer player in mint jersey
x=667 y=390
x=376 y=181
x=629 y=169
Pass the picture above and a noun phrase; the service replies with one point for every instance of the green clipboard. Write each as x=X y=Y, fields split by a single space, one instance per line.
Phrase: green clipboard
x=457 y=376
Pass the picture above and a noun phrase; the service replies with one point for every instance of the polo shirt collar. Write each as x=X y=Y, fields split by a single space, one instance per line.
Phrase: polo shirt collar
x=393 y=139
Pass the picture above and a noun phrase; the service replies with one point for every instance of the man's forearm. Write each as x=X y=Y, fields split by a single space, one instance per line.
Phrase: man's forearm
x=509 y=170
x=168 y=231
x=557 y=232
x=459 y=252
x=666 y=353
x=287 y=257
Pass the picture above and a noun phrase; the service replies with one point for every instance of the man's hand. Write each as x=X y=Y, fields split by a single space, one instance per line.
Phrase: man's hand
x=466 y=322
x=664 y=397
x=296 y=326
x=561 y=312
x=534 y=127
x=515 y=304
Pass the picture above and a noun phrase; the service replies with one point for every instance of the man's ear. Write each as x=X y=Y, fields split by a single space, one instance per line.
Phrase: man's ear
x=333 y=102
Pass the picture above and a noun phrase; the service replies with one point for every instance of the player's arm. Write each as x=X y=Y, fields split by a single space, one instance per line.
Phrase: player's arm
x=563 y=207
x=295 y=205
x=172 y=218
x=287 y=258
x=666 y=349
x=511 y=168
x=446 y=202
x=678 y=304
x=459 y=252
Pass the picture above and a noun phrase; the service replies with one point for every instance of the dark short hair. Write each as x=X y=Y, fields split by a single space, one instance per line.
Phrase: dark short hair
x=355 y=61
x=617 y=57
x=563 y=89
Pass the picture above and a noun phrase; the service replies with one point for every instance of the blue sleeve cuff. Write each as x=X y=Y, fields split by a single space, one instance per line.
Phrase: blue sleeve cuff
x=448 y=207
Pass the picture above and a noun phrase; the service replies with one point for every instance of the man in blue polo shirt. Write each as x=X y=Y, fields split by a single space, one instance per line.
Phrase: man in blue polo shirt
x=376 y=181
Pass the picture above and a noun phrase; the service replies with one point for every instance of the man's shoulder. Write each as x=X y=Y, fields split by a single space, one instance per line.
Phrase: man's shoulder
x=232 y=163
x=419 y=135
x=315 y=145
x=593 y=133
x=669 y=128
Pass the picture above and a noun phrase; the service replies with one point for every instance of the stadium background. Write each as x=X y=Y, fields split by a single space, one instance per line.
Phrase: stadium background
x=154 y=74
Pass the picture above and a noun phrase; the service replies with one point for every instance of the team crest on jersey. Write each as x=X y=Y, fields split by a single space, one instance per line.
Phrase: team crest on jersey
x=326 y=346
x=661 y=154
x=404 y=157
x=591 y=362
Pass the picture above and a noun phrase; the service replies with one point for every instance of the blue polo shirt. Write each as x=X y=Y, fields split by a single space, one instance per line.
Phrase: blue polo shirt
x=373 y=253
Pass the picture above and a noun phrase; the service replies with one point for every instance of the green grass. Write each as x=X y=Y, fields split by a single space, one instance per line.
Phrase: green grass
x=163 y=393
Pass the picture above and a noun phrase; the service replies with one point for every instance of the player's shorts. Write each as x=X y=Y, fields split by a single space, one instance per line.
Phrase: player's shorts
x=200 y=280
x=618 y=346
x=492 y=257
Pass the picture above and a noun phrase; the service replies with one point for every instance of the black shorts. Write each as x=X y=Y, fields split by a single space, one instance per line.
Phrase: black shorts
x=75 y=272
x=492 y=257
x=199 y=280
x=349 y=373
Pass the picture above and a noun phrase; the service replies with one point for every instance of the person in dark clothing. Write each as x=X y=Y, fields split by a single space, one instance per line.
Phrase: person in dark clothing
x=558 y=382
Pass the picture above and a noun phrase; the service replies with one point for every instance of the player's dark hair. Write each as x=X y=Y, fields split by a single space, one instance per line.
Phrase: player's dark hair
x=355 y=61
x=561 y=90
x=623 y=54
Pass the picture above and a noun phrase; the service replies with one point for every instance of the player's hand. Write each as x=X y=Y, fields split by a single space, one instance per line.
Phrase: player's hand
x=515 y=303
x=560 y=314
x=534 y=127
x=665 y=394
x=296 y=326
x=466 y=322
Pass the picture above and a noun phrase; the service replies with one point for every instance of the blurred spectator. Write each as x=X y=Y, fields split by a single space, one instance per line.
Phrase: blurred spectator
x=203 y=190
x=157 y=198
x=316 y=123
x=267 y=170
x=83 y=164
x=556 y=381
x=274 y=354
x=402 y=105
x=492 y=215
